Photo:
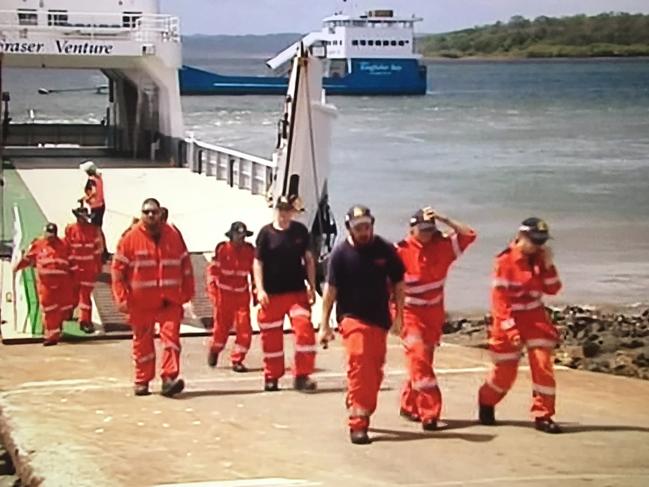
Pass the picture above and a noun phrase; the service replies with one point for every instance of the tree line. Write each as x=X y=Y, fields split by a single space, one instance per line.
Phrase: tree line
x=614 y=34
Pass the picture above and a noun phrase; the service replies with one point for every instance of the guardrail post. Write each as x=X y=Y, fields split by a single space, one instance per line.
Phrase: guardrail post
x=231 y=172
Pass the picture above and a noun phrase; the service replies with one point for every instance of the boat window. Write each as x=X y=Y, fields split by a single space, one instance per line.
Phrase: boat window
x=370 y=43
x=386 y=43
x=363 y=42
x=354 y=43
x=129 y=19
x=27 y=16
x=401 y=43
x=393 y=43
x=57 y=17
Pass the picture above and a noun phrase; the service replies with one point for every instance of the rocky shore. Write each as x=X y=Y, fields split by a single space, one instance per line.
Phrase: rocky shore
x=592 y=339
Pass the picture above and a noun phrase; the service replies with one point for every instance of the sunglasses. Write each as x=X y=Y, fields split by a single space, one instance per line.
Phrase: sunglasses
x=539 y=242
x=151 y=212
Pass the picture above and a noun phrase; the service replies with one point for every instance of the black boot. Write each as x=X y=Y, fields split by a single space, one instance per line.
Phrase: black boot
x=359 y=437
x=239 y=367
x=430 y=425
x=171 y=387
x=304 y=383
x=487 y=415
x=87 y=327
x=271 y=385
x=212 y=358
x=141 y=389
x=409 y=416
x=547 y=426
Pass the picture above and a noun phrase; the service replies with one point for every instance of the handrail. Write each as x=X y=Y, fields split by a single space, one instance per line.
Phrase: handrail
x=238 y=169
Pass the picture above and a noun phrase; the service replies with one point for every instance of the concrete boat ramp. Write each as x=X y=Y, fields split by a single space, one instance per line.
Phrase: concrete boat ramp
x=68 y=416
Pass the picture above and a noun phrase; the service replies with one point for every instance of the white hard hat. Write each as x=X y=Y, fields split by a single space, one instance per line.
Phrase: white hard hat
x=88 y=166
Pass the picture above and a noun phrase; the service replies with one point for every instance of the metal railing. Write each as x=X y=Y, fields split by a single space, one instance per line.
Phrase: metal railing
x=237 y=169
x=89 y=25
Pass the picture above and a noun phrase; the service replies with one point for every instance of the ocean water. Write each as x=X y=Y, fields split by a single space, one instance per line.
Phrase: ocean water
x=491 y=144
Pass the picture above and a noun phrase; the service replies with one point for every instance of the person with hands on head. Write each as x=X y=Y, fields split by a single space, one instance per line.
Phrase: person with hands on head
x=523 y=273
x=360 y=269
x=285 y=272
x=427 y=255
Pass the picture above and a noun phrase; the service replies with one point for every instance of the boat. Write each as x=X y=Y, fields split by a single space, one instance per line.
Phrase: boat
x=368 y=54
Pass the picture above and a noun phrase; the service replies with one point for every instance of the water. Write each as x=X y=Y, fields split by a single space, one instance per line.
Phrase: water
x=491 y=144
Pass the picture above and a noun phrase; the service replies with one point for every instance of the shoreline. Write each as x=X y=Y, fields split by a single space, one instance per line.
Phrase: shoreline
x=523 y=59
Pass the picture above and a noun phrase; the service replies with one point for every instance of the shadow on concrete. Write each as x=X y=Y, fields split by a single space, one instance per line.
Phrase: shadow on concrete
x=568 y=428
x=399 y=435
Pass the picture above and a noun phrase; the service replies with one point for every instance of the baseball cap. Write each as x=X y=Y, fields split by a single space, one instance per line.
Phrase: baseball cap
x=81 y=212
x=290 y=202
x=51 y=228
x=238 y=228
x=424 y=219
x=88 y=166
x=537 y=229
x=357 y=215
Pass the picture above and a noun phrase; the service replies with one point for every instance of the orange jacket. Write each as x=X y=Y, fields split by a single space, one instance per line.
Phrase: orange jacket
x=52 y=261
x=86 y=247
x=97 y=199
x=147 y=274
x=519 y=283
x=229 y=269
x=427 y=266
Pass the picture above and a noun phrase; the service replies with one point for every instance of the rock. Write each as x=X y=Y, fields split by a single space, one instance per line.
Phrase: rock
x=642 y=360
x=633 y=343
x=590 y=349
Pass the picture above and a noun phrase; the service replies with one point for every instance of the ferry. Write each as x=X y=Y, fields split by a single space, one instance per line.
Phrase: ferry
x=369 y=54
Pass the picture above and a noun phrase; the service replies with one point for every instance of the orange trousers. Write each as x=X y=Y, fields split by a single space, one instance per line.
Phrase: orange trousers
x=56 y=305
x=232 y=310
x=422 y=330
x=143 y=324
x=365 y=347
x=271 y=325
x=539 y=337
x=82 y=298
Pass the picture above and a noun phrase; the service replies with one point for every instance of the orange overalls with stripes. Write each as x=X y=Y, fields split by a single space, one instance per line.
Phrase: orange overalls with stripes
x=86 y=247
x=518 y=313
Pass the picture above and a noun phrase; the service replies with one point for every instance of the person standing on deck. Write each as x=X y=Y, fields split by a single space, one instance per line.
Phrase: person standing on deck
x=362 y=269
x=284 y=271
x=84 y=240
x=427 y=255
x=94 y=198
x=50 y=256
x=228 y=284
x=523 y=273
x=152 y=278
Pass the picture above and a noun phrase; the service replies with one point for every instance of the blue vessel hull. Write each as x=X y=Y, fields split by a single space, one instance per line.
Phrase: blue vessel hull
x=367 y=77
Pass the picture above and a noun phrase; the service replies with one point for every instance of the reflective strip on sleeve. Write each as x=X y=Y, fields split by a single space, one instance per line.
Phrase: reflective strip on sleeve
x=424 y=384
x=170 y=262
x=545 y=390
x=540 y=343
x=143 y=284
x=87 y=283
x=170 y=282
x=225 y=287
x=47 y=309
x=306 y=348
x=527 y=306
x=507 y=324
x=144 y=263
x=296 y=311
x=422 y=288
x=271 y=325
x=551 y=280
x=410 y=301
x=274 y=355
x=497 y=358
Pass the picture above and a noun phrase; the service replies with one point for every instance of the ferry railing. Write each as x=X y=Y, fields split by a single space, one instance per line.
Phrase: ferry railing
x=236 y=168
x=89 y=26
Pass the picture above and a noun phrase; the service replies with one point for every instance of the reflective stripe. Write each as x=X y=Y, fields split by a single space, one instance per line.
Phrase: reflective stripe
x=508 y=324
x=188 y=272
x=66 y=308
x=274 y=355
x=53 y=261
x=50 y=308
x=89 y=245
x=121 y=258
x=141 y=253
x=424 y=384
x=144 y=263
x=143 y=284
x=87 y=283
x=170 y=282
x=410 y=278
x=230 y=288
x=411 y=339
x=184 y=256
x=82 y=257
x=146 y=358
x=541 y=343
x=85 y=306
x=240 y=349
x=422 y=288
x=551 y=280
x=271 y=325
x=545 y=390
x=498 y=282
x=490 y=383
x=526 y=306
x=456 y=245
x=306 y=348
x=423 y=302
x=46 y=272
x=496 y=358
x=76 y=245
x=296 y=311
x=170 y=262
x=172 y=346
x=355 y=411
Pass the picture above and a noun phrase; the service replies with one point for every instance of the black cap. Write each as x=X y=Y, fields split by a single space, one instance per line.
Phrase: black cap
x=358 y=214
x=290 y=202
x=424 y=219
x=238 y=228
x=51 y=228
x=536 y=228
x=82 y=212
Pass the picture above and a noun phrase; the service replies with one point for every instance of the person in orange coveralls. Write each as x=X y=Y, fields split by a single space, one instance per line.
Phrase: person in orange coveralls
x=228 y=285
x=523 y=273
x=50 y=256
x=360 y=269
x=152 y=278
x=427 y=255
x=86 y=247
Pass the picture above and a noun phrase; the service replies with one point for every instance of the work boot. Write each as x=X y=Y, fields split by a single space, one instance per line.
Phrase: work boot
x=409 y=416
x=87 y=327
x=487 y=415
x=212 y=358
x=304 y=383
x=359 y=437
x=547 y=426
x=141 y=389
x=271 y=385
x=171 y=387
x=50 y=343
x=239 y=367
x=430 y=425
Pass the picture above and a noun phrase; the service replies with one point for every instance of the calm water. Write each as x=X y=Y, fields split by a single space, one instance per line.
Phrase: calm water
x=491 y=144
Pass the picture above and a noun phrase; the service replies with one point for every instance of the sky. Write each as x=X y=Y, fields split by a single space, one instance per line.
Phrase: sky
x=236 y=17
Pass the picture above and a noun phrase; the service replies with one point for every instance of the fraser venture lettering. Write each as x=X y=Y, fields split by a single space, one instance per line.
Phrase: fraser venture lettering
x=67 y=47
x=22 y=47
